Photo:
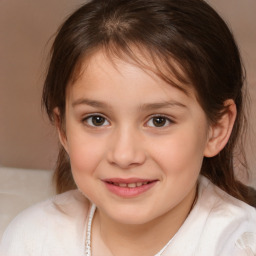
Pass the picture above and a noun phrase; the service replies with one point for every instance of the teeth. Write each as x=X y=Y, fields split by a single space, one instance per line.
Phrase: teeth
x=131 y=185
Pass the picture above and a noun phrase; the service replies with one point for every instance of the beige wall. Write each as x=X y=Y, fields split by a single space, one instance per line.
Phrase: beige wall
x=26 y=138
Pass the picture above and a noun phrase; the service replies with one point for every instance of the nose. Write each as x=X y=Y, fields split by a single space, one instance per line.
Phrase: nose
x=126 y=149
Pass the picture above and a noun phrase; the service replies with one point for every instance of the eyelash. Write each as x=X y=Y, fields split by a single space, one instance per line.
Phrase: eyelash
x=151 y=119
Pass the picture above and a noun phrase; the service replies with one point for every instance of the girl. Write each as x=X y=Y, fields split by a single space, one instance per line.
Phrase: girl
x=147 y=99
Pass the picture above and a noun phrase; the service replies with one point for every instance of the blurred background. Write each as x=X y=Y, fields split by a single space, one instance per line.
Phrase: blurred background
x=27 y=27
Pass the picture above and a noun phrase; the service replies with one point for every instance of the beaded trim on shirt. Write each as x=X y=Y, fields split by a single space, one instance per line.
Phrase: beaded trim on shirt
x=89 y=231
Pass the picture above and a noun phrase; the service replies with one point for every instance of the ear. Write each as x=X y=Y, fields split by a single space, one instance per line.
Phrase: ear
x=60 y=128
x=220 y=132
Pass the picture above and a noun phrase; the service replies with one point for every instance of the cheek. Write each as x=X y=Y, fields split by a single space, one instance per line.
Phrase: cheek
x=182 y=152
x=85 y=154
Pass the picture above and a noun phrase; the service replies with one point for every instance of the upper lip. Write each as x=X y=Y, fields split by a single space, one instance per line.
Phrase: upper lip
x=127 y=181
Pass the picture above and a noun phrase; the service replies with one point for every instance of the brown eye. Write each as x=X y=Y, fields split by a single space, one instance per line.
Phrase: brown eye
x=158 y=121
x=96 y=121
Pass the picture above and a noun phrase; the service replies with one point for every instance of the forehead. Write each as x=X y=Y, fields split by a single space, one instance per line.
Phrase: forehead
x=102 y=65
x=156 y=65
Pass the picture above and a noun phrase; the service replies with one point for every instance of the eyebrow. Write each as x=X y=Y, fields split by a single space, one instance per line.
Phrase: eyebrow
x=167 y=104
x=92 y=103
x=143 y=107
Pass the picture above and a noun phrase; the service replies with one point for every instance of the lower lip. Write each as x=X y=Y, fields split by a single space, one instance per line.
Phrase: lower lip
x=127 y=192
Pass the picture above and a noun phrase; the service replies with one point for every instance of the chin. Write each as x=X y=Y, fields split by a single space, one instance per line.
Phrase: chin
x=131 y=215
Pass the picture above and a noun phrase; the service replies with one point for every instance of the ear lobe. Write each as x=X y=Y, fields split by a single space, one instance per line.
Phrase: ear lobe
x=59 y=126
x=220 y=132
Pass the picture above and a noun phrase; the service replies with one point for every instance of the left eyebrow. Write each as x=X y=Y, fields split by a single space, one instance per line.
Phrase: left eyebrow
x=168 y=104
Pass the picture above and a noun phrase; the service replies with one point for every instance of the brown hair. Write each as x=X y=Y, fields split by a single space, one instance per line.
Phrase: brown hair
x=188 y=32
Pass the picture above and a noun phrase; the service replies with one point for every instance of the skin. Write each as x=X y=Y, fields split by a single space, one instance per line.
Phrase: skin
x=126 y=143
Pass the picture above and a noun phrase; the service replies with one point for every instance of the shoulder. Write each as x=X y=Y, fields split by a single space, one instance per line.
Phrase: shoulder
x=217 y=225
x=221 y=203
x=229 y=222
x=51 y=222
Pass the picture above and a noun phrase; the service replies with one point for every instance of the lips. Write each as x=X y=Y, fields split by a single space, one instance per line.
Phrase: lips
x=128 y=187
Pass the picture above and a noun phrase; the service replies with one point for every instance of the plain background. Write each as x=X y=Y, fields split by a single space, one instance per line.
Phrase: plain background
x=27 y=139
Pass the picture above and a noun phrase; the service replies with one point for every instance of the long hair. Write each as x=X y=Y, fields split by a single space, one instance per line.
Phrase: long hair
x=188 y=33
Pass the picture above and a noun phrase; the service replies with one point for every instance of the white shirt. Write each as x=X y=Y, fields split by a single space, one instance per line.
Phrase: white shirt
x=218 y=225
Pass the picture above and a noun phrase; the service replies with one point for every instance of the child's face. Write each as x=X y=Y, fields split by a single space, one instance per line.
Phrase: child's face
x=136 y=143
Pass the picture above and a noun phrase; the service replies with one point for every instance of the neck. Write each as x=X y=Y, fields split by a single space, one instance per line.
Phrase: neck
x=143 y=239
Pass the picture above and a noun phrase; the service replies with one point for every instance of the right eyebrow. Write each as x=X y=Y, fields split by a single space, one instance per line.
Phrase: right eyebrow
x=92 y=103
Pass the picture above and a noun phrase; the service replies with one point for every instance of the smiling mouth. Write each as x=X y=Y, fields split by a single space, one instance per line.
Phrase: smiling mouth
x=129 y=188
